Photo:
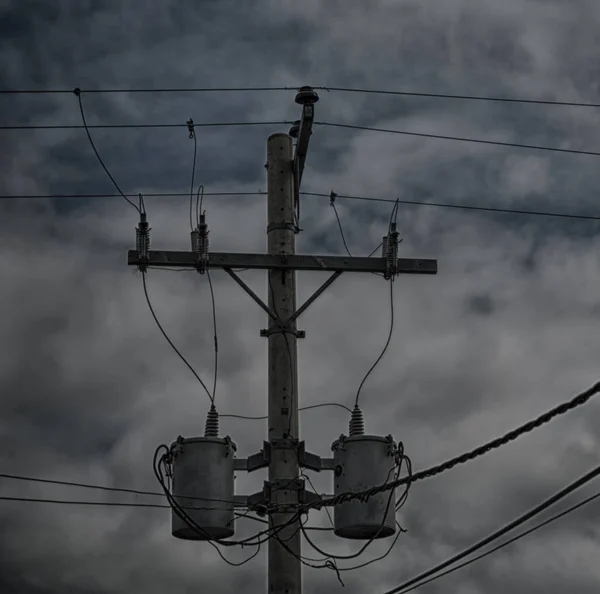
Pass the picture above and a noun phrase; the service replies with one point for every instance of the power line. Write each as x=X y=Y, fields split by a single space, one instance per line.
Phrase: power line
x=461 y=139
x=548 y=416
x=456 y=206
x=422 y=94
x=403 y=588
x=312 y=194
x=146 y=195
x=393 y=221
x=461 y=97
x=507 y=542
x=146 y=90
x=30 y=479
x=138 y=126
x=329 y=124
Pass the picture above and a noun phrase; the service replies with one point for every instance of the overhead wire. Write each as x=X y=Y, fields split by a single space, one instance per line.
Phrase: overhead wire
x=459 y=139
x=467 y=97
x=177 y=351
x=286 y=122
x=403 y=588
x=215 y=335
x=393 y=218
x=140 y=126
x=93 y=145
x=456 y=206
x=316 y=195
x=302 y=408
x=489 y=552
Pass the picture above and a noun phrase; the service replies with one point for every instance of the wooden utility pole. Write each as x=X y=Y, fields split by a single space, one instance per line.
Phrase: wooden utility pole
x=285 y=575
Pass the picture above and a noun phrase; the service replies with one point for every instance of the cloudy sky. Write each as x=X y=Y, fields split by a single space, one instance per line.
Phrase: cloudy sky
x=506 y=330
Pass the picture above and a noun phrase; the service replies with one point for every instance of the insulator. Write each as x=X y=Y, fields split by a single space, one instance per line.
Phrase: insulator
x=384 y=247
x=357 y=423
x=195 y=241
x=142 y=243
x=211 y=428
x=306 y=95
x=200 y=244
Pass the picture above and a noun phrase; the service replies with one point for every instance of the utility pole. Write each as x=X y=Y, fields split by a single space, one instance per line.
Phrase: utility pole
x=203 y=467
x=284 y=569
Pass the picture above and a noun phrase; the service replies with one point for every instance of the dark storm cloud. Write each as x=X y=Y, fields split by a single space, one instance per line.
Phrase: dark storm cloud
x=505 y=331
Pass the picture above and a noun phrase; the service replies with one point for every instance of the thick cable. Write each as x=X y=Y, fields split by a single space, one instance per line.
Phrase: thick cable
x=385 y=346
x=536 y=423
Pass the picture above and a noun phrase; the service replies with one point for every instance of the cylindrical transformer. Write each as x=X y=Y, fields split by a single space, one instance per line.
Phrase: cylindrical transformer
x=203 y=485
x=361 y=463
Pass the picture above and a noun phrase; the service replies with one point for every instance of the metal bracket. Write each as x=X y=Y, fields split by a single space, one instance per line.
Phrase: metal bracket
x=302 y=131
x=266 y=332
x=313 y=461
x=314 y=297
x=255 y=461
x=252 y=294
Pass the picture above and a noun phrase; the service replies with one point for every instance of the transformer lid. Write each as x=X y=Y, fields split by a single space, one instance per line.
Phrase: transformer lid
x=345 y=439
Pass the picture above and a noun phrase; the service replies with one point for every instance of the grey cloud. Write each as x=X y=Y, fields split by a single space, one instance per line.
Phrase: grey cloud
x=89 y=386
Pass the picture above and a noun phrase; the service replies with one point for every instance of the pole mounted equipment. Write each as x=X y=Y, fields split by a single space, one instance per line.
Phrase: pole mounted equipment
x=301 y=130
x=203 y=467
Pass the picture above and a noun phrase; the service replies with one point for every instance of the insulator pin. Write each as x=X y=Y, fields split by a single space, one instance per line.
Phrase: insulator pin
x=142 y=243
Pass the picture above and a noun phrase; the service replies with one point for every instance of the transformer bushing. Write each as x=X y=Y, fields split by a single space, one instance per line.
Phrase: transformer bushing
x=203 y=485
x=361 y=463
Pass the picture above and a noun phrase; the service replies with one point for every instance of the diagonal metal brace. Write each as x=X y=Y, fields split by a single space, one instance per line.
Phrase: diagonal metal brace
x=252 y=294
x=313 y=297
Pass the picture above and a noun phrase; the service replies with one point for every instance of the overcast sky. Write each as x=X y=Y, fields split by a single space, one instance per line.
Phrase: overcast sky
x=506 y=330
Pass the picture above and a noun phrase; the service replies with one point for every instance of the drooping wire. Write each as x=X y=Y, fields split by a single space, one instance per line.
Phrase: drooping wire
x=507 y=542
x=561 y=409
x=395 y=470
x=215 y=335
x=339 y=222
x=77 y=93
x=403 y=588
x=182 y=514
x=264 y=417
x=393 y=219
x=169 y=340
